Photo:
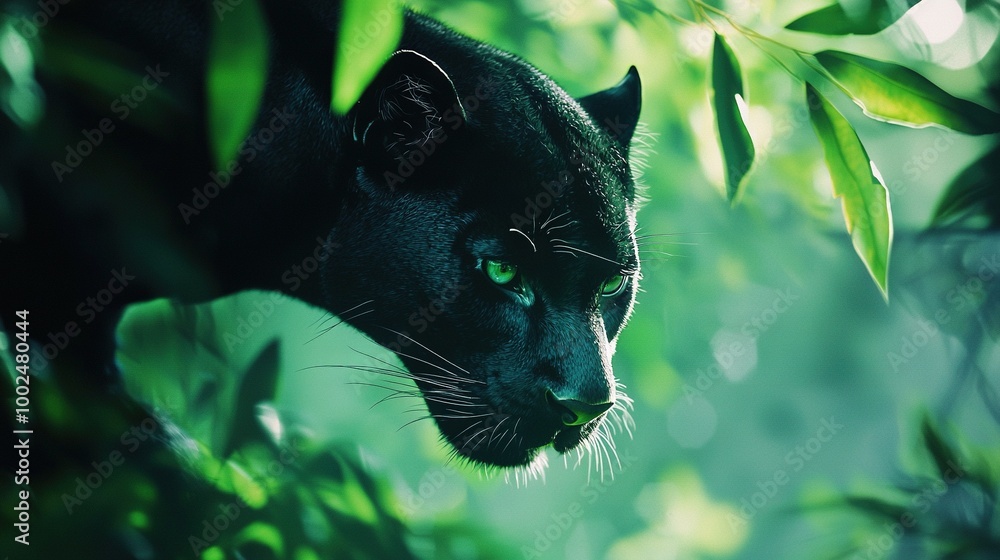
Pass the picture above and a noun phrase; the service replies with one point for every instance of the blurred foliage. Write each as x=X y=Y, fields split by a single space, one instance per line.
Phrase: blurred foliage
x=972 y=194
x=947 y=509
x=120 y=480
x=369 y=33
x=237 y=71
x=838 y=19
x=727 y=385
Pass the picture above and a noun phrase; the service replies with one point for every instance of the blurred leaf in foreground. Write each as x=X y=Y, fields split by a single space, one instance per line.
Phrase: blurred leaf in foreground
x=369 y=31
x=237 y=73
x=974 y=193
x=945 y=509
x=865 y=18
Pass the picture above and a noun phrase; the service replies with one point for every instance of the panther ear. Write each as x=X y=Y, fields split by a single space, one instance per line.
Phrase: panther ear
x=617 y=108
x=405 y=107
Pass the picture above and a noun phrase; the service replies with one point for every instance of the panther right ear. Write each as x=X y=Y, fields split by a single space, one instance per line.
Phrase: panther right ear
x=617 y=108
x=405 y=106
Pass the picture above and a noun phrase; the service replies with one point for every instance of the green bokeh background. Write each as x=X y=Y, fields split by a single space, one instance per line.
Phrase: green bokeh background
x=775 y=275
x=727 y=459
x=821 y=353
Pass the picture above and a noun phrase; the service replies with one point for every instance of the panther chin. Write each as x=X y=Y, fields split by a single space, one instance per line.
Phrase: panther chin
x=517 y=441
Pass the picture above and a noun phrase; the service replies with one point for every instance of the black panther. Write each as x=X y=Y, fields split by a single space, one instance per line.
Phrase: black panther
x=467 y=213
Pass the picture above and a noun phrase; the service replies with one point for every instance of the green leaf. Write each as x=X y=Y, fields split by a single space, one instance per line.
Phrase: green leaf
x=940 y=451
x=263 y=534
x=855 y=180
x=369 y=32
x=835 y=20
x=259 y=385
x=876 y=507
x=235 y=479
x=237 y=73
x=974 y=192
x=897 y=94
x=99 y=70
x=632 y=11
x=728 y=99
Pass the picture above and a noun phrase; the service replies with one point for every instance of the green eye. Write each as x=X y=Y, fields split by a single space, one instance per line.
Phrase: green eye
x=613 y=286
x=499 y=272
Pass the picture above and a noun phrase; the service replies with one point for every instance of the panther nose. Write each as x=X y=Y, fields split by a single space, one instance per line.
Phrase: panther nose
x=574 y=412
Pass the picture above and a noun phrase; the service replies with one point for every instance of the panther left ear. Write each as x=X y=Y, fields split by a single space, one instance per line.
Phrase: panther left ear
x=405 y=106
x=616 y=109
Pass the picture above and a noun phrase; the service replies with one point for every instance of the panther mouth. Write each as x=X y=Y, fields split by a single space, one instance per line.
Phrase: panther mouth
x=499 y=426
x=509 y=441
x=570 y=437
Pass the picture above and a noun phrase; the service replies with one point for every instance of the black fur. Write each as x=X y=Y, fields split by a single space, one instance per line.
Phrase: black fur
x=457 y=153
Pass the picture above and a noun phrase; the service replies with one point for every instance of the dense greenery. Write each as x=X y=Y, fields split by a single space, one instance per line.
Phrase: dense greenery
x=785 y=406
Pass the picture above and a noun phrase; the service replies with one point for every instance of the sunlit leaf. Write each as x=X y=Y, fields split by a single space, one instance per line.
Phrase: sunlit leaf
x=303 y=553
x=348 y=499
x=196 y=456
x=204 y=401
x=213 y=553
x=237 y=73
x=974 y=191
x=263 y=534
x=369 y=31
x=730 y=106
x=234 y=478
x=897 y=94
x=138 y=519
x=855 y=181
x=100 y=70
x=867 y=18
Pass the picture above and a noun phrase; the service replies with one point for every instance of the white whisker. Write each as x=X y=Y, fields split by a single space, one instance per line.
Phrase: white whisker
x=515 y=230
